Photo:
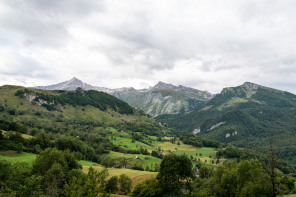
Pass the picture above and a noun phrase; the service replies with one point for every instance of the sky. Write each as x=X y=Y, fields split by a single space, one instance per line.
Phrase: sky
x=204 y=44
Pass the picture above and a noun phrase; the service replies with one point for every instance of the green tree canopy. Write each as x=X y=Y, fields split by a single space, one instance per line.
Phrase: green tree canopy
x=175 y=172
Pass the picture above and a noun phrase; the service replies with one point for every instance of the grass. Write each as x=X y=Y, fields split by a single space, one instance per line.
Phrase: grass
x=146 y=161
x=26 y=136
x=115 y=155
x=232 y=102
x=13 y=156
x=172 y=147
x=142 y=160
x=127 y=143
x=189 y=150
x=204 y=151
x=136 y=175
x=87 y=163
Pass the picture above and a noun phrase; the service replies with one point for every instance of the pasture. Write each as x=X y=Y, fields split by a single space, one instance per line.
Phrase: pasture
x=136 y=175
x=127 y=143
x=13 y=156
x=135 y=160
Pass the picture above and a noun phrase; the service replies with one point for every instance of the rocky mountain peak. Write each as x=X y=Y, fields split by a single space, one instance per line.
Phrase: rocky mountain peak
x=250 y=86
x=162 y=85
x=75 y=81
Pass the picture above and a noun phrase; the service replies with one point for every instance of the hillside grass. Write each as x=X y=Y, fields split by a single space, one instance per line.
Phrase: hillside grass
x=135 y=159
x=13 y=156
x=127 y=143
x=87 y=163
x=172 y=147
x=146 y=161
x=136 y=175
x=115 y=155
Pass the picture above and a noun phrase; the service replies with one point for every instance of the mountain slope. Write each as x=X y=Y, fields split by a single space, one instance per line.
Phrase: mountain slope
x=245 y=116
x=161 y=99
x=165 y=99
x=61 y=111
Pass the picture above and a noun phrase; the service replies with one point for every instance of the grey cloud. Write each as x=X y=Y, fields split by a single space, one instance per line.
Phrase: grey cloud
x=26 y=67
x=45 y=23
x=61 y=8
x=250 y=37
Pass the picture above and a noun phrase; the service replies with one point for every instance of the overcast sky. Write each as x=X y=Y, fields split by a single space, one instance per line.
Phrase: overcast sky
x=204 y=44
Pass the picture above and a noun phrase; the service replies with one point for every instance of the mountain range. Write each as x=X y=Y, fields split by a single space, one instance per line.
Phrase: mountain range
x=160 y=99
x=249 y=115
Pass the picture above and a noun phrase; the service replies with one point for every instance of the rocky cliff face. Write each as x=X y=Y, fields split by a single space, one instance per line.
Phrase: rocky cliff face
x=165 y=98
x=160 y=99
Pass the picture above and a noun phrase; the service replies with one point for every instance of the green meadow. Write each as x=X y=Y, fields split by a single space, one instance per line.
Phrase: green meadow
x=13 y=156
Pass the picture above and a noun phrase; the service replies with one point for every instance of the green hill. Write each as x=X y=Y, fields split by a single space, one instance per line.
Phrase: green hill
x=245 y=116
x=81 y=121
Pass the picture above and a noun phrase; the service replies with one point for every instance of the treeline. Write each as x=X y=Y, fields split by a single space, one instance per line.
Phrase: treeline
x=232 y=152
x=246 y=178
x=147 y=128
x=177 y=177
x=57 y=173
x=240 y=154
x=12 y=126
x=100 y=100
x=196 y=141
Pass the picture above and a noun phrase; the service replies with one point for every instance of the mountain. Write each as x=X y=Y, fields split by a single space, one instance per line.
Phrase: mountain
x=61 y=111
x=72 y=84
x=163 y=98
x=245 y=116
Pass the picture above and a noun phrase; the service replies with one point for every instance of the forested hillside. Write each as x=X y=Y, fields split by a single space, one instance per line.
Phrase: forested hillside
x=246 y=116
x=82 y=119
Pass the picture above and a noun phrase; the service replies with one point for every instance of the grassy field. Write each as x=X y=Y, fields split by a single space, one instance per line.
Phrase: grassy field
x=172 y=147
x=136 y=175
x=127 y=143
x=141 y=160
x=146 y=161
x=115 y=155
x=13 y=156
x=87 y=163
x=204 y=151
x=203 y=154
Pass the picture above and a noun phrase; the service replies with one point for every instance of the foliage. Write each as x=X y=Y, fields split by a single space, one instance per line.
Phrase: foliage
x=148 y=188
x=175 y=172
x=32 y=187
x=247 y=116
x=125 y=184
x=112 y=185
x=54 y=165
x=101 y=100
x=246 y=178
x=73 y=188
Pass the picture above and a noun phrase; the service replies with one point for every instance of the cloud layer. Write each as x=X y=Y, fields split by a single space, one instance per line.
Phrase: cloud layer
x=207 y=45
